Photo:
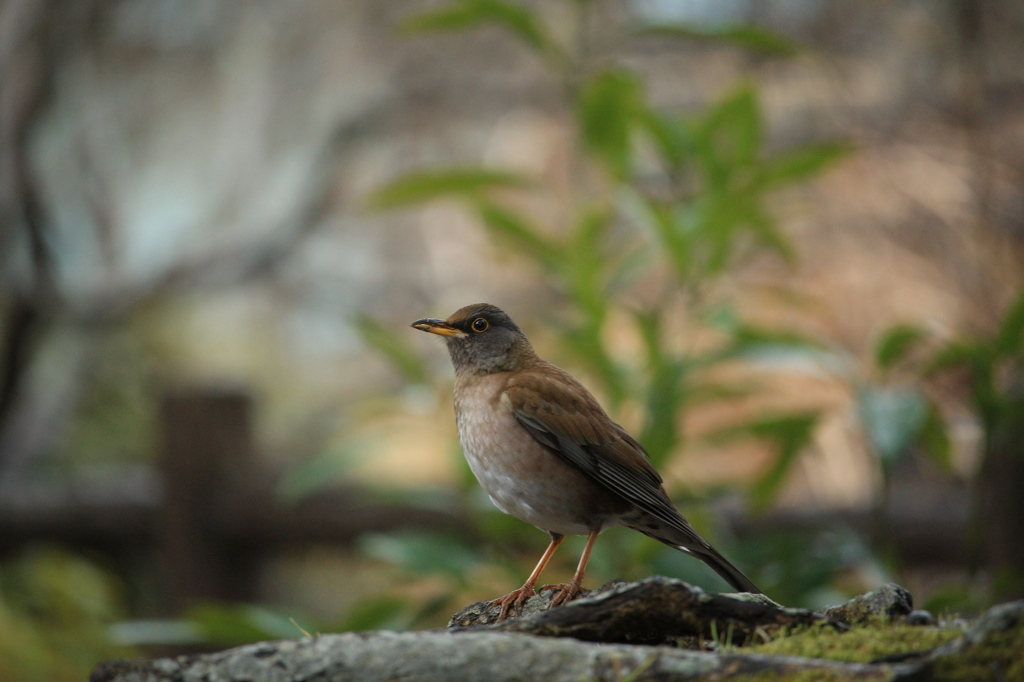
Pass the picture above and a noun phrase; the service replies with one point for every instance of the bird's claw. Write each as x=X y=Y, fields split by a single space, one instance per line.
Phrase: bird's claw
x=512 y=603
x=566 y=592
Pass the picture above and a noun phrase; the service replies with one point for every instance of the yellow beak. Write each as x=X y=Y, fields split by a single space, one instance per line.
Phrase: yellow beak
x=436 y=326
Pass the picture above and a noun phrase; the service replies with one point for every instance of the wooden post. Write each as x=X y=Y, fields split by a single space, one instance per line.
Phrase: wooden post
x=207 y=444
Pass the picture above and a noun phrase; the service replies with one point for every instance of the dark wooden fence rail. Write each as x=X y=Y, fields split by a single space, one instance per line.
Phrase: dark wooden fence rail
x=208 y=515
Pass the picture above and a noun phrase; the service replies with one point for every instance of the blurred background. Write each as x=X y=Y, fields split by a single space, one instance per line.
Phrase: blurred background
x=780 y=240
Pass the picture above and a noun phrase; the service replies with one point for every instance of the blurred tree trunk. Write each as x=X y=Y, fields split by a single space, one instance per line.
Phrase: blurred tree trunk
x=27 y=71
x=999 y=501
x=998 y=514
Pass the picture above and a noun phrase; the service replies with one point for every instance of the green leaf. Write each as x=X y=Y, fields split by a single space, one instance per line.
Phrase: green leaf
x=468 y=13
x=514 y=228
x=753 y=342
x=375 y=613
x=672 y=137
x=671 y=236
x=234 y=624
x=394 y=346
x=678 y=238
x=422 y=553
x=722 y=225
x=737 y=121
x=584 y=343
x=665 y=395
x=802 y=163
x=58 y=586
x=422 y=186
x=959 y=354
x=708 y=392
x=432 y=610
x=1011 y=331
x=980 y=358
x=769 y=235
x=728 y=138
x=934 y=438
x=789 y=433
x=722 y=317
x=747 y=36
x=609 y=106
x=314 y=474
x=896 y=343
x=591 y=228
x=793 y=357
x=893 y=417
x=586 y=261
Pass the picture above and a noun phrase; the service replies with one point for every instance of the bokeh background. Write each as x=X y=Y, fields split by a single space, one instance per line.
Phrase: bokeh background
x=781 y=241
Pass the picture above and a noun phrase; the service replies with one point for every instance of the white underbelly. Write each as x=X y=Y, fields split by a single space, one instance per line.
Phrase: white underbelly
x=522 y=477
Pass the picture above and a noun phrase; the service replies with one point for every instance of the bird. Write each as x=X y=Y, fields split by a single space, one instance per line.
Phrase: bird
x=546 y=452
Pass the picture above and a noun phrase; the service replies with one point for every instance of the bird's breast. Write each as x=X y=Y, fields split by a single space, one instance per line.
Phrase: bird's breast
x=522 y=477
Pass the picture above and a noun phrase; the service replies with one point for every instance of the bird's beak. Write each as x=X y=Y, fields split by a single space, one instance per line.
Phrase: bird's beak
x=436 y=326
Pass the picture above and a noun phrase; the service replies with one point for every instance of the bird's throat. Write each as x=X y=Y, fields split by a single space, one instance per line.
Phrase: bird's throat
x=470 y=358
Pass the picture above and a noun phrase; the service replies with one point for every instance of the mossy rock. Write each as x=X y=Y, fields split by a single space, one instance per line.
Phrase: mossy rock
x=783 y=644
x=993 y=649
x=875 y=640
x=888 y=600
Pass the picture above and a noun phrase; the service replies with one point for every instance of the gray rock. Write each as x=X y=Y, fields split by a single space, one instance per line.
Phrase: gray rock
x=920 y=617
x=888 y=600
x=506 y=653
x=450 y=657
x=991 y=645
x=655 y=610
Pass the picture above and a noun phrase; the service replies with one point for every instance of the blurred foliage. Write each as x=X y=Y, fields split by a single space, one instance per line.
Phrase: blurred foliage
x=521 y=21
x=902 y=417
x=463 y=182
x=802 y=567
x=227 y=625
x=213 y=624
x=896 y=410
x=897 y=415
x=116 y=415
x=991 y=368
x=748 y=36
x=324 y=468
x=958 y=598
x=698 y=207
x=681 y=195
x=789 y=433
x=55 y=608
x=994 y=366
x=397 y=351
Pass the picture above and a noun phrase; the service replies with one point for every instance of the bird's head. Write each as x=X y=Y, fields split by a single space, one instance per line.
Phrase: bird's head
x=481 y=339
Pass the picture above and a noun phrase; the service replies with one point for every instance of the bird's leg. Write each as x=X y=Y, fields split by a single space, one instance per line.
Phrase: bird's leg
x=513 y=601
x=568 y=591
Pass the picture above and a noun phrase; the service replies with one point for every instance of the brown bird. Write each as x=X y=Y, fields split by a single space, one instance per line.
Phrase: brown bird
x=547 y=453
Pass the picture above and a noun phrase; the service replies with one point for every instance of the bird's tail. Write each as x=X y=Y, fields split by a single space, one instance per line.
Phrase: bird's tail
x=732 y=575
x=681 y=535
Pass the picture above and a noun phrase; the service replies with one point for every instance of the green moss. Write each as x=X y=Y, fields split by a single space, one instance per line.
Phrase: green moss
x=858 y=645
x=998 y=656
x=808 y=675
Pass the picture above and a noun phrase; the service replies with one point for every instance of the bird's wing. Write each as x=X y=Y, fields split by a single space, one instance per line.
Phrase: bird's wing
x=562 y=415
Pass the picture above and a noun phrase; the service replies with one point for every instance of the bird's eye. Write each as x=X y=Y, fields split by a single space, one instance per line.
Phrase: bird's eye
x=480 y=325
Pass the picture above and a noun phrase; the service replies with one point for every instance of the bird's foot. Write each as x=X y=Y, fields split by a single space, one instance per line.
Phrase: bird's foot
x=512 y=603
x=565 y=592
